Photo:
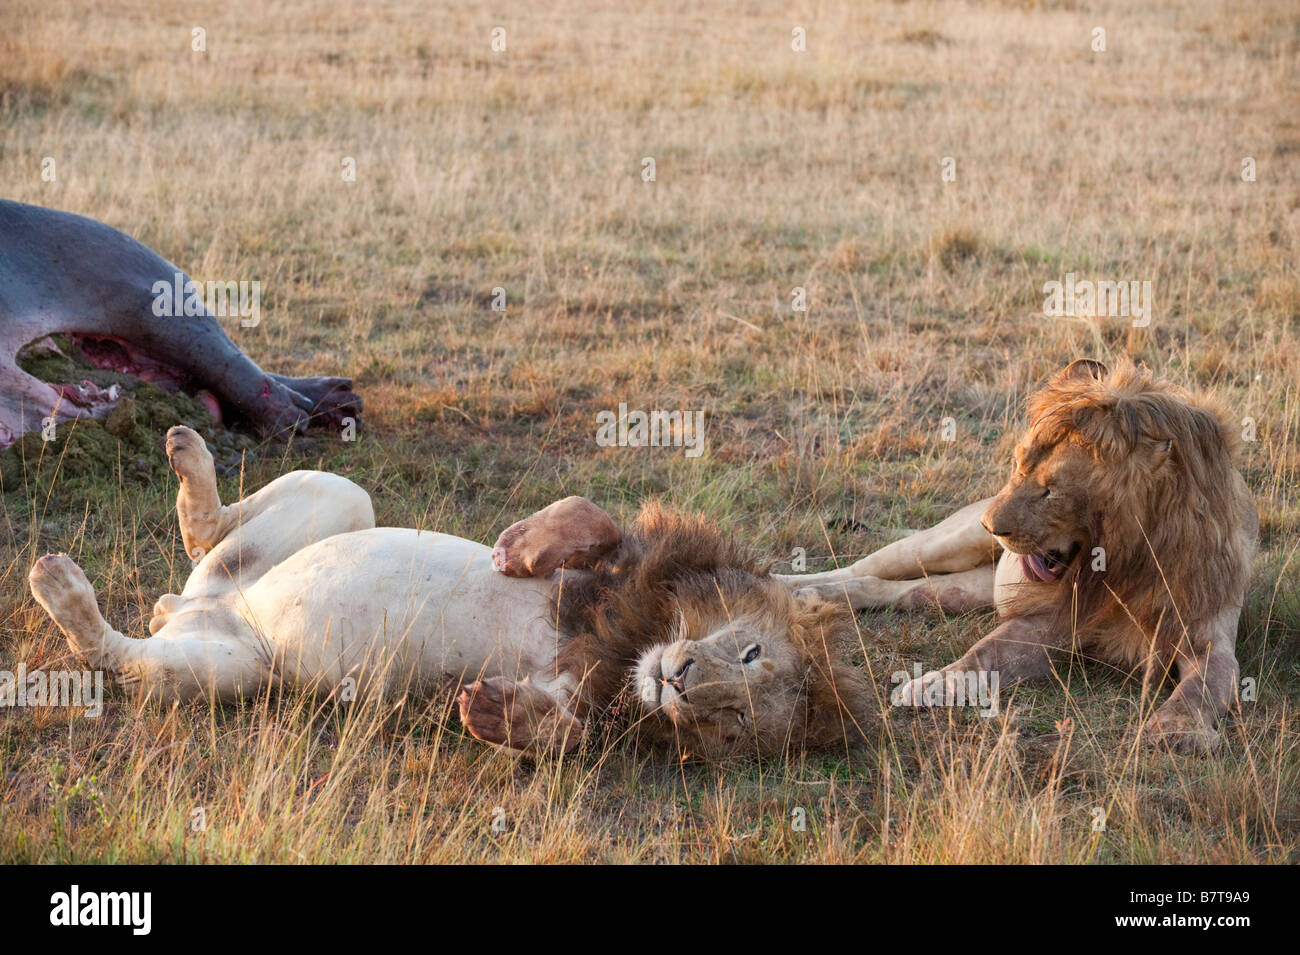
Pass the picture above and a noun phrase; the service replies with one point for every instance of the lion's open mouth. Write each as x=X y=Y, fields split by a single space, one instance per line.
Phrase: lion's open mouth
x=1048 y=567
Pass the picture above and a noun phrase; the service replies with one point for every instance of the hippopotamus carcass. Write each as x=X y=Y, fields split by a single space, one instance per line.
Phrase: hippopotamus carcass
x=66 y=274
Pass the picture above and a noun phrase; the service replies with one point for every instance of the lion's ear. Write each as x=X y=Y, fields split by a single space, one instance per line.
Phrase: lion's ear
x=1081 y=370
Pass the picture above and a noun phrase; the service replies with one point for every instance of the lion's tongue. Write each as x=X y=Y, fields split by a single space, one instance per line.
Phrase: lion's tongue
x=1036 y=568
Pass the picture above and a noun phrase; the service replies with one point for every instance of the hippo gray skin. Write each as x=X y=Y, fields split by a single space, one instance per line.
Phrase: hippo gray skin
x=65 y=274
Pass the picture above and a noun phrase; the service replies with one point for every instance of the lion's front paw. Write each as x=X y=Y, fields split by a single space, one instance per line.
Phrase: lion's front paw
x=1180 y=732
x=818 y=591
x=518 y=717
x=507 y=555
x=188 y=454
x=572 y=532
x=913 y=692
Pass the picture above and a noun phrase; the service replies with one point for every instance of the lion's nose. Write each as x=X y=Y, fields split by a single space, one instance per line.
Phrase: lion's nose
x=678 y=680
x=993 y=529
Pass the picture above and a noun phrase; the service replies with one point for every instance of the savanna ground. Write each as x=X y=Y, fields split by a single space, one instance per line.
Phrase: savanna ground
x=774 y=169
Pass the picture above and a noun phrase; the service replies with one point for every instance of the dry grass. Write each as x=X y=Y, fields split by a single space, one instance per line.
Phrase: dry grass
x=774 y=170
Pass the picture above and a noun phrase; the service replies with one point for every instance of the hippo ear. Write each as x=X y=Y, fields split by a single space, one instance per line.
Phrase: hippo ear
x=1081 y=370
x=573 y=533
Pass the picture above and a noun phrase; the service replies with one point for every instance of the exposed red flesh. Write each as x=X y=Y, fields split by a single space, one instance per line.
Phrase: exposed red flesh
x=113 y=354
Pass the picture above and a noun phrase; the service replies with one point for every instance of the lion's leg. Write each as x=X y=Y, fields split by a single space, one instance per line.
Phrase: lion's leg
x=202 y=518
x=1022 y=648
x=293 y=511
x=204 y=653
x=1207 y=686
x=521 y=717
x=961 y=592
x=204 y=521
x=61 y=587
x=957 y=543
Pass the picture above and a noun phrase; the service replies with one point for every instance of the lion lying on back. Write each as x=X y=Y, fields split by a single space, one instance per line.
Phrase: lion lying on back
x=294 y=586
x=1125 y=532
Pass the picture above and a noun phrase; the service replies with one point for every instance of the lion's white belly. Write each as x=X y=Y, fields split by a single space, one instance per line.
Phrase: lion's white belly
x=415 y=605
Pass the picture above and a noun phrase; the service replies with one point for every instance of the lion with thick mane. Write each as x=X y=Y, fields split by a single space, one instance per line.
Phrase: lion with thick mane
x=1125 y=532
x=294 y=586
